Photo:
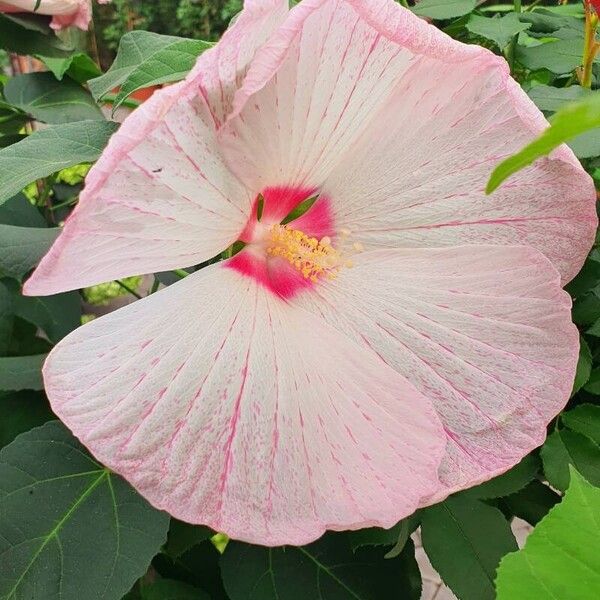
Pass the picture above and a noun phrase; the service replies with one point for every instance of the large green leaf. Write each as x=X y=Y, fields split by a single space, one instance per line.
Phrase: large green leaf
x=586 y=308
x=572 y=120
x=20 y=212
x=584 y=419
x=508 y=483
x=544 y=21
x=46 y=99
x=51 y=150
x=584 y=366
x=56 y=315
x=532 y=503
x=69 y=528
x=79 y=67
x=551 y=99
x=21 y=36
x=465 y=540
x=592 y=385
x=560 y=57
x=589 y=276
x=183 y=536
x=500 y=30
x=21 y=248
x=561 y=557
x=145 y=59
x=326 y=569
x=21 y=372
x=168 y=589
x=199 y=567
x=564 y=448
x=20 y=412
x=444 y=9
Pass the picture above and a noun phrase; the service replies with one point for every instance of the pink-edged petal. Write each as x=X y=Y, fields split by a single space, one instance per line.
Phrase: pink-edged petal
x=161 y=197
x=220 y=72
x=484 y=332
x=315 y=85
x=225 y=405
x=401 y=126
x=417 y=177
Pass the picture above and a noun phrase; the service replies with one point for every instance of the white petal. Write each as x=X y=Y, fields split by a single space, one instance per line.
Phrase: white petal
x=225 y=405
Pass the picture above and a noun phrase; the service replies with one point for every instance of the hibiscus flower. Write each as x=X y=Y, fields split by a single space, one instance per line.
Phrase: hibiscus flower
x=404 y=338
x=65 y=13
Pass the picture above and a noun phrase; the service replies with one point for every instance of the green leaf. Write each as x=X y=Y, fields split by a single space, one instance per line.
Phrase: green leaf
x=589 y=276
x=574 y=119
x=499 y=30
x=21 y=373
x=69 y=528
x=544 y=22
x=564 y=448
x=326 y=569
x=550 y=99
x=561 y=557
x=183 y=536
x=584 y=419
x=198 y=566
x=465 y=540
x=168 y=589
x=79 y=67
x=508 y=483
x=586 y=309
x=443 y=9
x=45 y=99
x=532 y=503
x=376 y=536
x=56 y=315
x=407 y=528
x=145 y=59
x=560 y=57
x=584 y=366
x=20 y=412
x=10 y=139
x=20 y=212
x=7 y=302
x=50 y=150
x=21 y=248
x=21 y=36
x=586 y=145
x=593 y=383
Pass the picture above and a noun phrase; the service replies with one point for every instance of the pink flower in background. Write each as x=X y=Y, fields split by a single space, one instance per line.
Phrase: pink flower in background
x=65 y=13
x=405 y=338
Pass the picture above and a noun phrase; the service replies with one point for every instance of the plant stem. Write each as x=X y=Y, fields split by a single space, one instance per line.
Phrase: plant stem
x=128 y=102
x=68 y=202
x=155 y=285
x=128 y=289
x=590 y=46
x=181 y=273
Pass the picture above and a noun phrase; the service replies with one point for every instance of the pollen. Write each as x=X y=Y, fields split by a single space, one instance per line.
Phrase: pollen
x=313 y=258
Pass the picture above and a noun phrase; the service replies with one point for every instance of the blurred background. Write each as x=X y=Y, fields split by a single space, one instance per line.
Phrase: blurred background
x=200 y=19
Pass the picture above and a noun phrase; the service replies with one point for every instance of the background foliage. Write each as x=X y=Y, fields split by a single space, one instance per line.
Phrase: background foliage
x=70 y=528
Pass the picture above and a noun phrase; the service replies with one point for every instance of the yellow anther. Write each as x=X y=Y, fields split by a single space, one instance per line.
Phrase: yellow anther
x=311 y=257
x=358 y=246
